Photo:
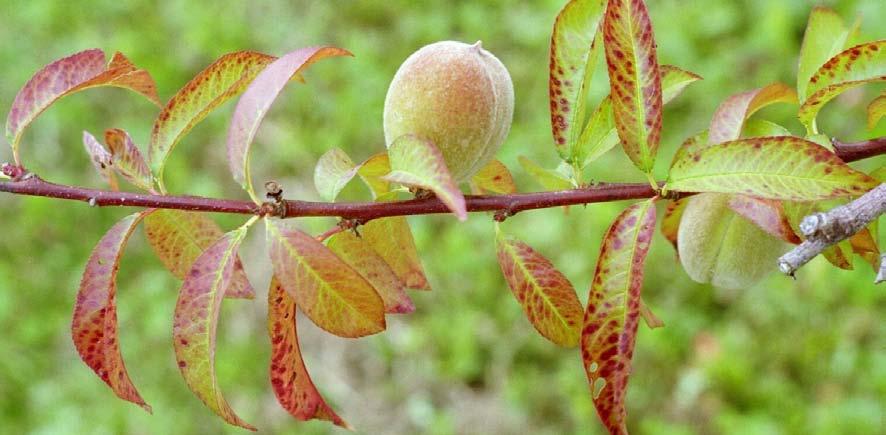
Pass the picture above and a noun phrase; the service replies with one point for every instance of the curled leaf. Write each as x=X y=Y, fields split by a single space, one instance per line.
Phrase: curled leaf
x=257 y=99
x=767 y=214
x=391 y=239
x=729 y=118
x=372 y=171
x=416 y=162
x=196 y=319
x=546 y=295
x=332 y=294
x=333 y=172
x=358 y=254
x=101 y=159
x=94 y=327
x=876 y=110
x=494 y=177
x=614 y=304
x=128 y=160
x=289 y=377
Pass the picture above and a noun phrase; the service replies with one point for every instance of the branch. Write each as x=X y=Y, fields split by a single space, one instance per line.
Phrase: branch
x=825 y=229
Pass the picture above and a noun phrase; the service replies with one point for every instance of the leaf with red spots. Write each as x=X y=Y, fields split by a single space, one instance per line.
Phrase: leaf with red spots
x=549 y=179
x=729 y=118
x=101 y=159
x=94 y=327
x=289 y=377
x=127 y=159
x=391 y=239
x=670 y=222
x=784 y=167
x=179 y=237
x=332 y=294
x=257 y=99
x=358 y=254
x=767 y=214
x=634 y=79
x=416 y=162
x=372 y=171
x=611 y=319
x=864 y=63
x=333 y=172
x=495 y=178
x=66 y=76
x=546 y=295
x=826 y=35
x=574 y=55
x=196 y=319
x=876 y=110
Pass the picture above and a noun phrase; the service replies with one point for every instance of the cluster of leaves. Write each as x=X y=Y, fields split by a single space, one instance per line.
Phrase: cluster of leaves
x=346 y=282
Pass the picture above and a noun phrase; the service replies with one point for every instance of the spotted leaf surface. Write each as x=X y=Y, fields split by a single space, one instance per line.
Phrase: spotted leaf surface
x=864 y=63
x=416 y=162
x=257 y=99
x=333 y=172
x=372 y=171
x=495 y=178
x=876 y=110
x=549 y=179
x=767 y=214
x=66 y=76
x=101 y=159
x=784 y=167
x=392 y=239
x=729 y=118
x=127 y=159
x=611 y=318
x=546 y=295
x=289 y=377
x=826 y=35
x=670 y=222
x=331 y=293
x=634 y=79
x=225 y=78
x=359 y=254
x=94 y=327
x=574 y=55
x=196 y=319
x=179 y=237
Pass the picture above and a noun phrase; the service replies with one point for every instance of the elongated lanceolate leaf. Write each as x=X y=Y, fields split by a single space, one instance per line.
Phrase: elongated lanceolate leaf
x=94 y=327
x=611 y=318
x=767 y=214
x=333 y=172
x=826 y=35
x=127 y=159
x=74 y=73
x=876 y=110
x=634 y=79
x=670 y=222
x=769 y=167
x=179 y=237
x=573 y=58
x=332 y=294
x=371 y=172
x=546 y=295
x=359 y=254
x=196 y=319
x=864 y=63
x=391 y=239
x=729 y=118
x=495 y=178
x=289 y=377
x=257 y=99
x=416 y=162
x=549 y=179
x=101 y=159
x=225 y=78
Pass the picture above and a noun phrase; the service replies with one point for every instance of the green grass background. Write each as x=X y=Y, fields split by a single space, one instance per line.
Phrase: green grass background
x=805 y=356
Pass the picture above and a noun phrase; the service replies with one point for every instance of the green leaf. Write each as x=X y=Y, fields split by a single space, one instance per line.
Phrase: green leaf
x=550 y=180
x=83 y=70
x=634 y=79
x=692 y=144
x=771 y=167
x=763 y=128
x=100 y=158
x=729 y=118
x=416 y=162
x=372 y=171
x=332 y=294
x=876 y=110
x=358 y=254
x=225 y=78
x=546 y=295
x=333 y=172
x=826 y=35
x=674 y=80
x=766 y=214
x=196 y=319
x=290 y=380
x=257 y=99
x=574 y=55
x=127 y=160
x=391 y=238
x=94 y=327
x=612 y=316
x=865 y=63
x=494 y=177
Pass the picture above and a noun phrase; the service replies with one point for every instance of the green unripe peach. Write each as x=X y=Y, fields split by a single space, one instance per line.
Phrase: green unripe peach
x=457 y=95
x=718 y=246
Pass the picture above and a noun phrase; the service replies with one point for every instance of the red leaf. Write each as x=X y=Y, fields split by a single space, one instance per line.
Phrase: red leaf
x=610 y=322
x=94 y=327
x=289 y=377
x=127 y=159
x=729 y=118
x=101 y=159
x=766 y=214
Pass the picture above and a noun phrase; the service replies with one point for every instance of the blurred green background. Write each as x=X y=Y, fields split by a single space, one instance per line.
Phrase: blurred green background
x=805 y=356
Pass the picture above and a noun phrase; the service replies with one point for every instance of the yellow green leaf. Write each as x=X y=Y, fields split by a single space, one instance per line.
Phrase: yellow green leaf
x=826 y=35
x=391 y=238
x=416 y=162
x=494 y=177
x=372 y=171
x=358 y=254
x=333 y=172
